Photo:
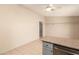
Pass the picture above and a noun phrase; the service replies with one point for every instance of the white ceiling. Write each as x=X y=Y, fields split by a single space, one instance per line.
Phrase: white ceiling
x=64 y=10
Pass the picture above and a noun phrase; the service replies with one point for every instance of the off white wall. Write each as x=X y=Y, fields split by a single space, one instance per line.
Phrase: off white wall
x=63 y=26
x=18 y=26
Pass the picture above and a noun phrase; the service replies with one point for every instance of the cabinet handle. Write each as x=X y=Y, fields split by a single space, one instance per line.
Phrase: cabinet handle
x=46 y=45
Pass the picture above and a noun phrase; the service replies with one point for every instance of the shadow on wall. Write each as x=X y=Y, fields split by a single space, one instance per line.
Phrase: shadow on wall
x=5 y=39
x=74 y=27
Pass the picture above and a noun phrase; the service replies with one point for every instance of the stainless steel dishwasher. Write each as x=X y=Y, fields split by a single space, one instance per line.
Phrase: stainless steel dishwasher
x=47 y=48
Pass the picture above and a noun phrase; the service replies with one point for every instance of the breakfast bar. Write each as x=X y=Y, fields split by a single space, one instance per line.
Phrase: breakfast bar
x=53 y=45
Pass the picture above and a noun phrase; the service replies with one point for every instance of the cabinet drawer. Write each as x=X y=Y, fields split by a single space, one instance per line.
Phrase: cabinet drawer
x=47 y=45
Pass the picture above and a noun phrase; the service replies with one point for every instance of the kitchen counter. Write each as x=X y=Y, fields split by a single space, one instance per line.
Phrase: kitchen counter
x=72 y=43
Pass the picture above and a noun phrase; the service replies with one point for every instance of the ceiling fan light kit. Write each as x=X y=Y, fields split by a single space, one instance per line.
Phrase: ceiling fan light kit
x=48 y=9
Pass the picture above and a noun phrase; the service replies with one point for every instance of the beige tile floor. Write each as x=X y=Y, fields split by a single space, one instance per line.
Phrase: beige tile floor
x=33 y=48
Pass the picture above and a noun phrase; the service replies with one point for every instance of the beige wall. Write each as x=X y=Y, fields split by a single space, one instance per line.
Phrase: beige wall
x=63 y=26
x=18 y=26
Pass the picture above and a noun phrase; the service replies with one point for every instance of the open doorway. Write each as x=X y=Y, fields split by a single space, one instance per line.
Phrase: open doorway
x=40 y=29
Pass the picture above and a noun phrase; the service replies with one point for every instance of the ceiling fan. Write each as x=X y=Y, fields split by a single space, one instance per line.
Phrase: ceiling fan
x=51 y=7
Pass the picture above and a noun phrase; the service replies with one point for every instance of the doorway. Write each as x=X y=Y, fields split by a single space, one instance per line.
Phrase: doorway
x=40 y=29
